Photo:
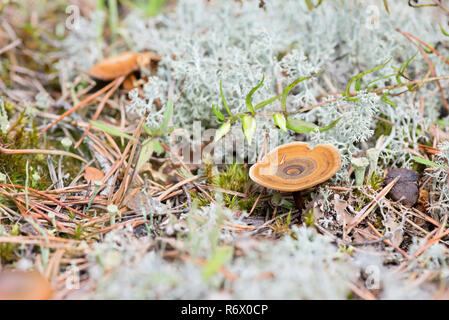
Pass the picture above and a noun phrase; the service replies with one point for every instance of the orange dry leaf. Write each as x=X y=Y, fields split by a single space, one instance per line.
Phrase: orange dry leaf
x=120 y=65
x=92 y=174
x=130 y=82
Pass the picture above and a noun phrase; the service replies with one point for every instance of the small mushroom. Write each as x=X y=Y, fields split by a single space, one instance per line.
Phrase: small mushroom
x=21 y=285
x=406 y=188
x=121 y=65
x=359 y=165
x=373 y=157
x=295 y=166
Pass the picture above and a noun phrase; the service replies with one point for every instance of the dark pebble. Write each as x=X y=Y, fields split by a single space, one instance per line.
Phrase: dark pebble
x=406 y=188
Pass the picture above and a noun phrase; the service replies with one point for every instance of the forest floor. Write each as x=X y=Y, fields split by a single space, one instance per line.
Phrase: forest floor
x=103 y=206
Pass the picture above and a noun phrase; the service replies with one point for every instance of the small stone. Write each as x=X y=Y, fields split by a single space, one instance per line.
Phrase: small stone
x=406 y=188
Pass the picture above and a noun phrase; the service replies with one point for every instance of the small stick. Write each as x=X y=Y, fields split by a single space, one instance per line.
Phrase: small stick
x=362 y=292
x=431 y=242
x=257 y=200
x=370 y=206
x=388 y=242
x=176 y=186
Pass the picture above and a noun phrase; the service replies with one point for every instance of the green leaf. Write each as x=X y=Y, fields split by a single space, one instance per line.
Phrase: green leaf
x=443 y=123
x=148 y=130
x=217 y=112
x=360 y=75
x=249 y=125
x=310 y=4
x=222 y=131
x=288 y=88
x=157 y=147
x=167 y=115
x=300 y=126
x=357 y=85
x=264 y=103
x=249 y=104
x=225 y=104
x=443 y=31
x=428 y=162
x=371 y=84
x=145 y=153
x=112 y=131
x=333 y=124
x=427 y=50
x=387 y=100
x=280 y=121
x=405 y=65
x=221 y=256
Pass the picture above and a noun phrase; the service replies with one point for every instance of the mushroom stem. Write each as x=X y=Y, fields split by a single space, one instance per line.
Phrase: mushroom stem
x=373 y=157
x=359 y=165
x=298 y=200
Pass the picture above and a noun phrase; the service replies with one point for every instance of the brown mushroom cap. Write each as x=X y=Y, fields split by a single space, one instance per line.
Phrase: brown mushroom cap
x=295 y=166
x=20 y=285
x=119 y=65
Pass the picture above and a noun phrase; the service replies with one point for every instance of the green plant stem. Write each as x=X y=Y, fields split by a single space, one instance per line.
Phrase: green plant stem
x=113 y=18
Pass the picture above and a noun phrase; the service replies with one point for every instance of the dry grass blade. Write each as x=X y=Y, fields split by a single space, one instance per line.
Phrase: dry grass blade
x=41 y=151
x=78 y=106
x=388 y=242
x=51 y=198
x=177 y=186
x=100 y=107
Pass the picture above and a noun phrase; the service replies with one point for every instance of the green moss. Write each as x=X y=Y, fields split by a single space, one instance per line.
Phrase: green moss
x=376 y=182
x=234 y=178
x=308 y=220
x=361 y=200
x=7 y=249
x=78 y=232
x=199 y=198
x=281 y=226
x=23 y=134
